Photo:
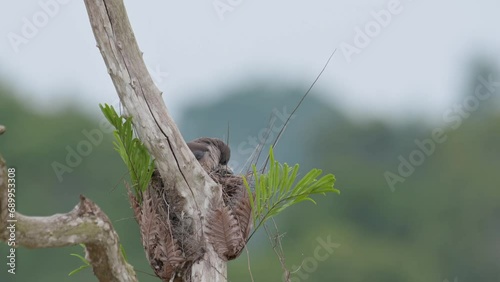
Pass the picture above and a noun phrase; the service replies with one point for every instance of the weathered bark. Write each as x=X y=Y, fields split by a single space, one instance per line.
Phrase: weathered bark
x=155 y=128
x=85 y=224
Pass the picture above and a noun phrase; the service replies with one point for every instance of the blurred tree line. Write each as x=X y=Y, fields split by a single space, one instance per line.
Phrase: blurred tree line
x=442 y=222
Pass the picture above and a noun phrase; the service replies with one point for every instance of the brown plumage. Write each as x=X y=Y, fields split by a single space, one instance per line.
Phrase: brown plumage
x=210 y=152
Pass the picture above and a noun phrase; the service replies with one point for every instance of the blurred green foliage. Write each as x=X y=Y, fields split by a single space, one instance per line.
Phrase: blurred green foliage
x=442 y=222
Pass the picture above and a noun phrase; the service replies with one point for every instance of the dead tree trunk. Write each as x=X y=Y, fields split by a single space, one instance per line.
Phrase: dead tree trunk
x=142 y=101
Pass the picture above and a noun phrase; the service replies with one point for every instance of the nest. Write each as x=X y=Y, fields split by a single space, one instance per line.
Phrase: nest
x=229 y=225
x=169 y=240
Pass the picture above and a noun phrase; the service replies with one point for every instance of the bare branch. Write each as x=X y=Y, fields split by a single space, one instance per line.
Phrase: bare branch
x=85 y=224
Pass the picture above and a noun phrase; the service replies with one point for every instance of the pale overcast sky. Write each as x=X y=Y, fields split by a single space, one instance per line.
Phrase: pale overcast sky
x=414 y=61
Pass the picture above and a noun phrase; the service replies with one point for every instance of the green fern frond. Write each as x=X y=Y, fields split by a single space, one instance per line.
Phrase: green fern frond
x=133 y=153
x=275 y=190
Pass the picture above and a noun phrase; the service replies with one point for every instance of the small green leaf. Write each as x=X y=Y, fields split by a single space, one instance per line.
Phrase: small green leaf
x=81 y=258
x=82 y=267
x=122 y=249
x=85 y=262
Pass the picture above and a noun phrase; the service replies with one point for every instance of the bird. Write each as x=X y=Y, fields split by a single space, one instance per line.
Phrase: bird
x=210 y=152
